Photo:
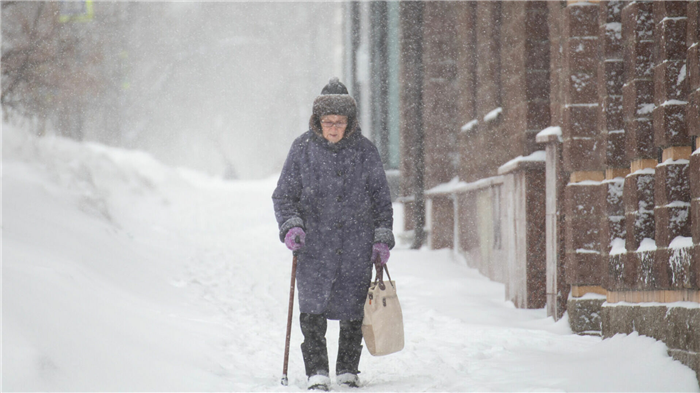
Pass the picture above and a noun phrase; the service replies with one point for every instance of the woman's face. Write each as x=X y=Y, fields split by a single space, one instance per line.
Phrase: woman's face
x=334 y=127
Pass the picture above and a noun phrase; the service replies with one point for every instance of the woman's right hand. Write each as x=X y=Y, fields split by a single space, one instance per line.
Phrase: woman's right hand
x=295 y=239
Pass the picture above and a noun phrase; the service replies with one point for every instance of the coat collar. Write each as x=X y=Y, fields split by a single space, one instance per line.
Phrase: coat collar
x=348 y=140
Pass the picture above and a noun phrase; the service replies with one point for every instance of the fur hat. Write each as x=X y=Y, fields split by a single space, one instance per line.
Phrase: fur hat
x=334 y=100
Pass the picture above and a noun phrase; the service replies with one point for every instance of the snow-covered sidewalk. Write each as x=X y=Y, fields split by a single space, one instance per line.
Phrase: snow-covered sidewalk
x=122 y=274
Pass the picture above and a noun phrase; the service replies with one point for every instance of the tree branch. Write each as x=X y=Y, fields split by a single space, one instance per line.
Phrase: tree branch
x=21 y=71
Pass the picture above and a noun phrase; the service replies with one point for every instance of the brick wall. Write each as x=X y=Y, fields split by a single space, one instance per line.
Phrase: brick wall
x=671 y=137
x=638 y=96
x=693 y=118
x=622 y=81
x=485 y=95
x=440 y=92
x=583 y=148
x=611 y=126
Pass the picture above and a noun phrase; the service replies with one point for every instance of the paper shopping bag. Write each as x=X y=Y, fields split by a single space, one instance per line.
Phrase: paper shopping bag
x=382 y=326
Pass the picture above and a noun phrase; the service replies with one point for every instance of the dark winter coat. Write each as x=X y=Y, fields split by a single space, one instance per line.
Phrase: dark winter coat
x=339 y=194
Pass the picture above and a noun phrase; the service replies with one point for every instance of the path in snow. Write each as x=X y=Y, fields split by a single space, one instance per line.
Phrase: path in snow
x=460 y=333
x=191 y=294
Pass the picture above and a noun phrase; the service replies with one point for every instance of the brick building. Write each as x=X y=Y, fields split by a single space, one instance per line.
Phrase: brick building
x=554 y=146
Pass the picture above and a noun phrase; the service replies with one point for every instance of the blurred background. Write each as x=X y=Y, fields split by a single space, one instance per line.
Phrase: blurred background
x=218 y=87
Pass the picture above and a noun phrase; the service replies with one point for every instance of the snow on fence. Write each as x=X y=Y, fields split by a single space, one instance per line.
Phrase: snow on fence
x=489 y=221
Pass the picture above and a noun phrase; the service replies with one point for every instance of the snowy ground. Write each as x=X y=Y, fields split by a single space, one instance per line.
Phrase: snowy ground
x=122 y=274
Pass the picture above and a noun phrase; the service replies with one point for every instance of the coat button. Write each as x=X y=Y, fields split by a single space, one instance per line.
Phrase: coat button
x=339 y=251
x=338 y=198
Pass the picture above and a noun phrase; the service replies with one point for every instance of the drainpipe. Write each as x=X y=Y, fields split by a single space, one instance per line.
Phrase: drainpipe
x=455 y=229
x=419 y=151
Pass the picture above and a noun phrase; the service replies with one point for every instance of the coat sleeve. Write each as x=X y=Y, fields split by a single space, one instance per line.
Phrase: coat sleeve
x=288 y=193
x=381 y=200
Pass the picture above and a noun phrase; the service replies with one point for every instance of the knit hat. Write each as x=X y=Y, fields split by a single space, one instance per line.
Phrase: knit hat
x=334 y=87
x=334 y=100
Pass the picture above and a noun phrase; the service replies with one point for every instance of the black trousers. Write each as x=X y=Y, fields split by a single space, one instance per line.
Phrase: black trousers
x=315 y=351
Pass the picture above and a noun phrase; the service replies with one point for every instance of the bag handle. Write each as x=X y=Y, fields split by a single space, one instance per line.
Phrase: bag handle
x=379 y=278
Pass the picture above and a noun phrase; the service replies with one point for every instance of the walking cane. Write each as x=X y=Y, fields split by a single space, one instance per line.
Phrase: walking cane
x=285 y=381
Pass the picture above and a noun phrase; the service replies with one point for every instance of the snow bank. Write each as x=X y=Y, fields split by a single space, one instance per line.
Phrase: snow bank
x=88 y=302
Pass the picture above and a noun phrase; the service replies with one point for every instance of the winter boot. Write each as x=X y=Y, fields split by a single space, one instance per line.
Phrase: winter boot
x=319 y=382
x=349 y=351
x=314 y=349
x=349 y=380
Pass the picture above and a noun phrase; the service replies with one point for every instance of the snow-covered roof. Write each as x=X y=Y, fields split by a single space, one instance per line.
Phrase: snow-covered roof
x=617 y=246
x=470 y=126
x=681 y=242
x=538 y=156
x=645 y=109
x=586 y=183
x=644 y=171
x=670 y=161
x=548 y=134
x=582 y=3
x=493 y=115
x=445 y=188
x=455 y=186
x=674 y=102
x=680 y=304
x=647 y=244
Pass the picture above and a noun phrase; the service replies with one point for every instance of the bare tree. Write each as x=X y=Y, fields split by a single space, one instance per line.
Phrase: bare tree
x=49 y=71
x=26 y=53
x=8 y=4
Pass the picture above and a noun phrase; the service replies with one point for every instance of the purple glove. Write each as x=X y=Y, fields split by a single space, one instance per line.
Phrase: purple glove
x=295 y=239
x=380 y=253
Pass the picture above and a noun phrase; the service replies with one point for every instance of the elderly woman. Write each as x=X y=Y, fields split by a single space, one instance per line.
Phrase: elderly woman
x=332 y=205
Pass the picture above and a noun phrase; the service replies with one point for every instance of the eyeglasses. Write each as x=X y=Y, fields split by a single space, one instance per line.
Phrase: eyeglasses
x=329 y=124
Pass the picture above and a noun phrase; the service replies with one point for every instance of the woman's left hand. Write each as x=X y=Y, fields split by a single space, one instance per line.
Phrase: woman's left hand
x=380 y=253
